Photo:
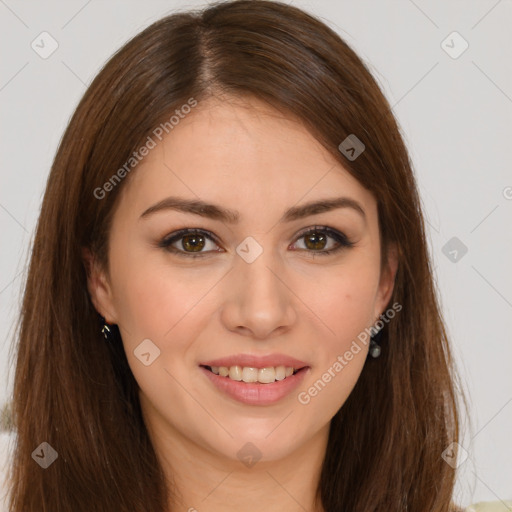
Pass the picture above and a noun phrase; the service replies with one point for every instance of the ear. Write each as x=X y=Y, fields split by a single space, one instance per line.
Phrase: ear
x=99 y=287
x=387 y=281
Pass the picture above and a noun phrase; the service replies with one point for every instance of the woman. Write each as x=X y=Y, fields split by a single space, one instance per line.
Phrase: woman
x=181 y=345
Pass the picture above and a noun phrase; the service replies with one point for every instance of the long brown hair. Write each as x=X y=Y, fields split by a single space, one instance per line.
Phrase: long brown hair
x=77 y=393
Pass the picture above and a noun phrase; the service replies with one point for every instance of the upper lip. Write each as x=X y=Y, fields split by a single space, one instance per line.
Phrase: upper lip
x=255 y=361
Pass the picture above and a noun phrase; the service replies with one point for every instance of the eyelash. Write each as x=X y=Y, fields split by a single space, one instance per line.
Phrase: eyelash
x=343 y=241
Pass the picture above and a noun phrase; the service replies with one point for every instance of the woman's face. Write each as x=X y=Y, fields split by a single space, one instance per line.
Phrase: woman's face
x=258 y=287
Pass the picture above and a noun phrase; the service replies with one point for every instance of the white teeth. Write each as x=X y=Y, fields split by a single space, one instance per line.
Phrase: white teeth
x=250 y=374
x=235 y=373
x=280 y=372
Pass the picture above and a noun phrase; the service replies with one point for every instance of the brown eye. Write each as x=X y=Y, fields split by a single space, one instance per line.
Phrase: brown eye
x=193 y=241
x=316 y=240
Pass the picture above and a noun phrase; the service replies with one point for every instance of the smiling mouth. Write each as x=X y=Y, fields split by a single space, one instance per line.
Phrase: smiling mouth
x=254 y=375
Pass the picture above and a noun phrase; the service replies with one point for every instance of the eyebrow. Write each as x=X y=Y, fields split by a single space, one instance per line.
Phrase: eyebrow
x=215 y=212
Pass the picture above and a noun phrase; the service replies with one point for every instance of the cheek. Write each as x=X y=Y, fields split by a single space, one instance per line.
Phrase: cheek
x=162 y=302
x=343 y=298
x=154 y=301
x=162 y=305
x=344 y=306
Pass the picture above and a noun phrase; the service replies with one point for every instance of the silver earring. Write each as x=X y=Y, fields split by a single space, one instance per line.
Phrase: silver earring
x=375 y=348
x=106 y=331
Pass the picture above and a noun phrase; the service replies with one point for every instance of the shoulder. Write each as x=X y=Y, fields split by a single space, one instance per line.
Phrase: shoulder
x=490 y=506
x=6 y=444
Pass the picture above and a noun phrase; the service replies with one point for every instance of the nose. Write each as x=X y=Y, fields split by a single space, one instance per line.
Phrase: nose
x=259 y=302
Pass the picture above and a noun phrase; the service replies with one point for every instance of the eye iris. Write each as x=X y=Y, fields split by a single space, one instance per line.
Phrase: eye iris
x=318 y=240
x=191 y=242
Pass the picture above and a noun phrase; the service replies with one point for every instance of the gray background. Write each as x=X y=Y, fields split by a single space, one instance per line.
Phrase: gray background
x=455 y=115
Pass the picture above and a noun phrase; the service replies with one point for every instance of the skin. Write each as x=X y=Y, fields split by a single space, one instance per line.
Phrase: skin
x=243 y=155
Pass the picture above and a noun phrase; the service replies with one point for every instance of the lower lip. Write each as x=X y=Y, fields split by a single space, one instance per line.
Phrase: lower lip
x=255 y=393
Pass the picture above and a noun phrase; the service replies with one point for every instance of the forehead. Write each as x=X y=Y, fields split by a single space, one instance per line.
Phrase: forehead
x=244 y=154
